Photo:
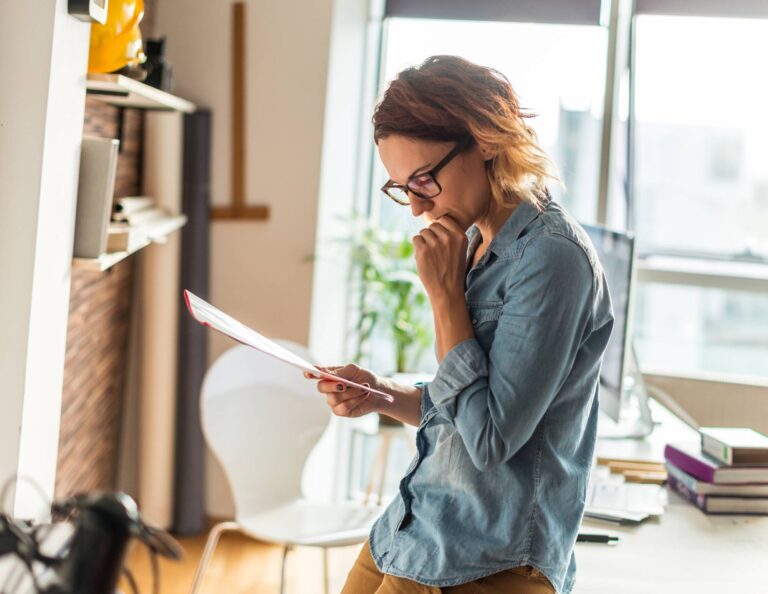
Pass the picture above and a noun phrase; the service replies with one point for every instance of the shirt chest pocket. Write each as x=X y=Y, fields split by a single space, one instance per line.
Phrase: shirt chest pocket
x=484 y=317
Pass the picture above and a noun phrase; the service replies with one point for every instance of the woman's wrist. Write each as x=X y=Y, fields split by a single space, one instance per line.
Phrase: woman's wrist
x=447 y=299
x=407 y=401
x=452 y=324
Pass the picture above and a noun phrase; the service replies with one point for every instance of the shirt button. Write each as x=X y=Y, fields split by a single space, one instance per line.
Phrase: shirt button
x=474 y=322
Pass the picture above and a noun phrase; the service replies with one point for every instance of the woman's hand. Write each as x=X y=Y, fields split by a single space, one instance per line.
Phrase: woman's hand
x=346 y=401
x=441 y=259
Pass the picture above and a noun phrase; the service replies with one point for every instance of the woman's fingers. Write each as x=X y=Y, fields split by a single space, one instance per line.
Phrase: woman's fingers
x=440 y=232
x=329 y=386
x=344 y=400
x=450 y=224
x=429 y=236
x=346 y=407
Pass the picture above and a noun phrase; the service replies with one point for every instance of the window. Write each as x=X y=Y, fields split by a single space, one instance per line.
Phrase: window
x=701 y=188
x=685 y=329
x=699 y=134
x=701 y=140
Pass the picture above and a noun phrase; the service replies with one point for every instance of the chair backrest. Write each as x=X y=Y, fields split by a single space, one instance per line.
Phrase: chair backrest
x=261 y=418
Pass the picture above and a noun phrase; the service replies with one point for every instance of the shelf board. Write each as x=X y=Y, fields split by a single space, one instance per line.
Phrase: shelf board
x=155 y=233
x=122 y=91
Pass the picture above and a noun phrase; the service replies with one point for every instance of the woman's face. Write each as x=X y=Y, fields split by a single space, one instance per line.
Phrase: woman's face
x=466 y=194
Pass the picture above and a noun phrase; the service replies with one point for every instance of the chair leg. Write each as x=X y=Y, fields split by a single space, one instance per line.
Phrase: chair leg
x=378 y=469
x=386 y=445
x=326 y=584
x=210 y=546
x=286 y=550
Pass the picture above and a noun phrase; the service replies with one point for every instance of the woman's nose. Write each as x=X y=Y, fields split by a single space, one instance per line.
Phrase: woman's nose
x=420 y=205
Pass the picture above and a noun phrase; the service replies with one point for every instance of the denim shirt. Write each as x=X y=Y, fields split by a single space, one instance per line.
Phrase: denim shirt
x=508 y=424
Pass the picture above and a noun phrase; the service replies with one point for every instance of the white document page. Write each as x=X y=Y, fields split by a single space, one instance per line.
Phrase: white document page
x=208 y=315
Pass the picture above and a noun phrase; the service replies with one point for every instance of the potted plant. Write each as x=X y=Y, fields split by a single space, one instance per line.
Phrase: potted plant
x=390 y=299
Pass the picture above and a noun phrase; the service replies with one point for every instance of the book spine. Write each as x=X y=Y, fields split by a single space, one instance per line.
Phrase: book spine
x=717 y=449
x=691 y=465
x=681 y=489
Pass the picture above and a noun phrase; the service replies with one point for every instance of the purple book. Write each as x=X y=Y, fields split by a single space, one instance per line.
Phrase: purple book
x=692 y=461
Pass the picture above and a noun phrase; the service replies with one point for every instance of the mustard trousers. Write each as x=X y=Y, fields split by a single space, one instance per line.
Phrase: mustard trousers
x=365 y=578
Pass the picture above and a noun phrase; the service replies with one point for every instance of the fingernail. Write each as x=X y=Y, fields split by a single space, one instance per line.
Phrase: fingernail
x=340 y=387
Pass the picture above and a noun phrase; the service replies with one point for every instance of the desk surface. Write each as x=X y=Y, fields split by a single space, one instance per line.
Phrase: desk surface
x=684 y=551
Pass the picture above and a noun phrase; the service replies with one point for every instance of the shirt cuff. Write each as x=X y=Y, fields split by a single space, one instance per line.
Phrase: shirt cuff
x=426 y=401
x=462 y=366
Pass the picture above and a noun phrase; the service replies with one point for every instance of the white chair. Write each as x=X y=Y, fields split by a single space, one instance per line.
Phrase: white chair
x=261 y=419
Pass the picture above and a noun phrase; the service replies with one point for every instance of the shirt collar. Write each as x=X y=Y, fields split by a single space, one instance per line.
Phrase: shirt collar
x=510 y=231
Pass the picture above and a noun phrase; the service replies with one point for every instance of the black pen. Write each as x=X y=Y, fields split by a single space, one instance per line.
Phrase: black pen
x=598 y=538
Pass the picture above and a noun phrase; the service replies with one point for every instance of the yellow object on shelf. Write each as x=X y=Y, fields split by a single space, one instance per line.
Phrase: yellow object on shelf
x=117 y=43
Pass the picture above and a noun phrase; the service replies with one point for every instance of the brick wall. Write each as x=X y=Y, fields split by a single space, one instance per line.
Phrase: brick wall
x=97 y=334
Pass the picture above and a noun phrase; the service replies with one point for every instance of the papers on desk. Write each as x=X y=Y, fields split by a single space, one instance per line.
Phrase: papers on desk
x=208 y=315
x=610 y=497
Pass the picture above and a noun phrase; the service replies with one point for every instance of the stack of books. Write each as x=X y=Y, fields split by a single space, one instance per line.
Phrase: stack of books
x=727 y=474
x=136 y=221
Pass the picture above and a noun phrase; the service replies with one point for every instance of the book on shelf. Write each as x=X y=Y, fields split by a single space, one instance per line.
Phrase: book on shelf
x=734 y=445
x=131 y=204
x=704 y=488
x=715 y=504
x=96 y=185
x=705 y=468
x=140 y=216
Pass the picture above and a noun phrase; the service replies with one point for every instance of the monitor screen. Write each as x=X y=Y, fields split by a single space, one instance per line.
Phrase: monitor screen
x=615 y=252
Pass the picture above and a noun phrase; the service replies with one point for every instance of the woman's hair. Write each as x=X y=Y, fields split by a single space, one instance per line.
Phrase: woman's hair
x=447 y=98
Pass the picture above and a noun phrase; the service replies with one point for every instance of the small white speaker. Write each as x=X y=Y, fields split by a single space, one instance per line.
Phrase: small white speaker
x=98 y=168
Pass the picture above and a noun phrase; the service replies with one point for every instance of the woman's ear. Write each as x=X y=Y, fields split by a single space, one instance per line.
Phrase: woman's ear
x=485 y=151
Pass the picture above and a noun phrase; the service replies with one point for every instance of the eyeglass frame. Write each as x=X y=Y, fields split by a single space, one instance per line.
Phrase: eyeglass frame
x=461 y=146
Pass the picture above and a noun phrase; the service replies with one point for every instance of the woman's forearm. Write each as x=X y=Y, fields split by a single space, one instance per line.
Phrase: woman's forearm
x=452 y=324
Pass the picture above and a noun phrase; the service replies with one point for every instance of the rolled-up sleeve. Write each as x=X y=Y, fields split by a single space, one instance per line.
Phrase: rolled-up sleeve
x=496 y=399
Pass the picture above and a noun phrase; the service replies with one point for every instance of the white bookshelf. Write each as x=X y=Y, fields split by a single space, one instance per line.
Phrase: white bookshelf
x=122 y=91
x=154 y=231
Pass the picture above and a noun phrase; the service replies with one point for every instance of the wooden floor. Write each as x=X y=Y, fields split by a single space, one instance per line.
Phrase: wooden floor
x=241 y=565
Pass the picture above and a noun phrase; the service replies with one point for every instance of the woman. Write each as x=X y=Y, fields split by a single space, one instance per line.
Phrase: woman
x=493 y=500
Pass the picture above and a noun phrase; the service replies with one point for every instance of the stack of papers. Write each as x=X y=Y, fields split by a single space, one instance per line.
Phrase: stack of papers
x=611 y=498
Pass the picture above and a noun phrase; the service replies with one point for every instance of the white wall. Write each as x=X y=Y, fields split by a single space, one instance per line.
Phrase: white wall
x=260 y=271
x=43 y=60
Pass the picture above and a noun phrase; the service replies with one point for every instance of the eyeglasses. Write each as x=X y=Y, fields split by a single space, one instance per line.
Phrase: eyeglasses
x=423 y=185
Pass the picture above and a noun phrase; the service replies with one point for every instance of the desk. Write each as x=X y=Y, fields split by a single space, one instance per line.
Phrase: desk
x=684 y=551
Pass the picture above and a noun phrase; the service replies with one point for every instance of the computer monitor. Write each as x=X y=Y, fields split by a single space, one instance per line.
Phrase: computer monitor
x=623 y=394
x=619 y=378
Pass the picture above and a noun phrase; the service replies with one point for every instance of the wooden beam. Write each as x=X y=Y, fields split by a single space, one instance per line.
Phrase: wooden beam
x=253 y=213
x=238 y=105
x=238 y=208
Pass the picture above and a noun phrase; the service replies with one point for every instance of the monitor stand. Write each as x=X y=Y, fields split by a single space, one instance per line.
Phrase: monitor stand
x=635 y=420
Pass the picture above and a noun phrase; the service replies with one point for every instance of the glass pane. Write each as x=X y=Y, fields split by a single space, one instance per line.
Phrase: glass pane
x=687 y=329
x=558 y=71
x=701 y=146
